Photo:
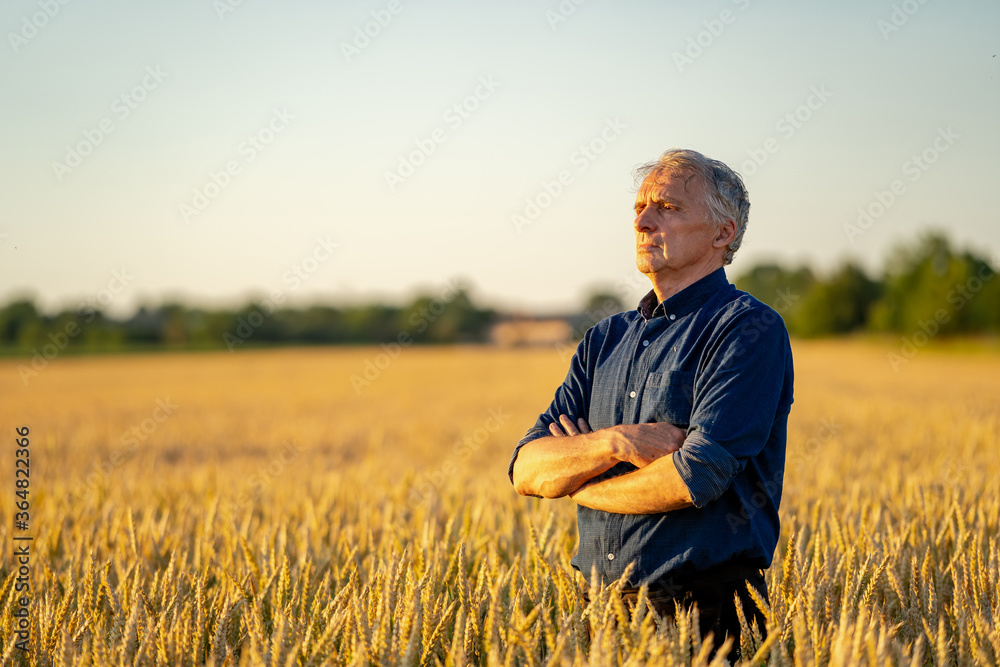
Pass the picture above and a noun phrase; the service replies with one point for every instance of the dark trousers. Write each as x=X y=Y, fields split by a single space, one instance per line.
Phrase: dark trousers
x=714 y=596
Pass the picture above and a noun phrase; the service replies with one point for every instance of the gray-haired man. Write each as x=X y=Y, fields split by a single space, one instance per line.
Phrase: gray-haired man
x=669 y=430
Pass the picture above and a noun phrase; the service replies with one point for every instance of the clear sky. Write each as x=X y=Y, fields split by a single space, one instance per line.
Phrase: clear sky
x=204 y=150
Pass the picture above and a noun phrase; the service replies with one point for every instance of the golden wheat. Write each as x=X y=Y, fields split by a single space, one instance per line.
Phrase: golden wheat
x=274 y=516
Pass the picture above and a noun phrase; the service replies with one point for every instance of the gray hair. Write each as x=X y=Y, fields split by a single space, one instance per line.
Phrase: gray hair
x=725 y=194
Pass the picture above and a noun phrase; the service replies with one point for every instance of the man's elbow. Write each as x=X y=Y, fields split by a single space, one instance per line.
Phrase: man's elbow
x=528 y=491
x=526 y=484
x=523 y=485
x=520 y=484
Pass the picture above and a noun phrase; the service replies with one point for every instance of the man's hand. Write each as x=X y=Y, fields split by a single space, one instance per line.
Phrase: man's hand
x=652 y=489
x=574 y=454
x=639 y=444
x=558 y=464
x=568 y=427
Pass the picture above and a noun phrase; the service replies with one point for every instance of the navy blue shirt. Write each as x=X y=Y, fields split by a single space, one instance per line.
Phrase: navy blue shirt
x=714 y=361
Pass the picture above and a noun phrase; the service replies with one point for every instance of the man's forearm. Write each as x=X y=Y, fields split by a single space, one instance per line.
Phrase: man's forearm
x=652 y=489
x=553 y=467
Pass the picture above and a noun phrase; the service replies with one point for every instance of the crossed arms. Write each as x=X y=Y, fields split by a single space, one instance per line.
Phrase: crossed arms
x=567 y=463
x=744 y=394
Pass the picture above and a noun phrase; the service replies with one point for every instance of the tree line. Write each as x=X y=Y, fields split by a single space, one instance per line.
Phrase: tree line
x=927 y=285
x=447 y=317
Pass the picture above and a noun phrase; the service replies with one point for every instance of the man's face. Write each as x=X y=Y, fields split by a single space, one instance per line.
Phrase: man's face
x=674 y=229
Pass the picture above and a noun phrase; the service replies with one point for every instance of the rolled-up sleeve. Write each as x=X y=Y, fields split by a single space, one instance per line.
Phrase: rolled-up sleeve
x=705 y=467
x=738 y=394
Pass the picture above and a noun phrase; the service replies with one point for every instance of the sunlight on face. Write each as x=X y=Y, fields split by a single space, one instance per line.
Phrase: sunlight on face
x=673 y=226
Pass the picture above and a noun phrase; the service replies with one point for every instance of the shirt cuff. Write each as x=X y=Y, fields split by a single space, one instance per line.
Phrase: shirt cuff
x=706 y=468
x=532 y=434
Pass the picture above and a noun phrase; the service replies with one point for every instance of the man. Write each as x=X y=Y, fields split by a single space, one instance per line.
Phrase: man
x=669 y=430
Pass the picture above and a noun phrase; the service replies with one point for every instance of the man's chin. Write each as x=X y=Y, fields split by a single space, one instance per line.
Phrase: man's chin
x=647 y=265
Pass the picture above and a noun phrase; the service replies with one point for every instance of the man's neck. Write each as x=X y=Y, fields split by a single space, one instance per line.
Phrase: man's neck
x=668 y=283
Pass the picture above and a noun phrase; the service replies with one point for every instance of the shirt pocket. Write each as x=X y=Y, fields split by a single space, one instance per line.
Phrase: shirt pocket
x=668 y=396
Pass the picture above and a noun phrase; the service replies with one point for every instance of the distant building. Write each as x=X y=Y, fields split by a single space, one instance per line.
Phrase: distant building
x=527 y=331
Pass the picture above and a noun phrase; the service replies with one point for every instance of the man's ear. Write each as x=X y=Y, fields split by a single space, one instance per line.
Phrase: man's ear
x=725 y=235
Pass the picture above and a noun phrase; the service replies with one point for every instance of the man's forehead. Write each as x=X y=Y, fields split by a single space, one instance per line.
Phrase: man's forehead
x=672 y=182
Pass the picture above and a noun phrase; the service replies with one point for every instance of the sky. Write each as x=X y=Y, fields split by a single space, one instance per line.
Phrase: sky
x=215 y=151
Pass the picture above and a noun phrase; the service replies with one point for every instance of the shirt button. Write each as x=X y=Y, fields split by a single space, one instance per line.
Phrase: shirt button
x=632 y=394
x=673 y=317
x=611 y=556
x=645 y=343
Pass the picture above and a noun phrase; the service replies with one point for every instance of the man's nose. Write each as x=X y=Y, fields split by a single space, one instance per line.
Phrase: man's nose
x=644 y=221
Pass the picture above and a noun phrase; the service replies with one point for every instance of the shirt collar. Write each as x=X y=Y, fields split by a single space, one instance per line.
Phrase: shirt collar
x=686 y=300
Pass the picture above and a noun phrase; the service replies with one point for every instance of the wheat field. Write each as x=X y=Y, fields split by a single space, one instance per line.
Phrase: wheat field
x=261 y=508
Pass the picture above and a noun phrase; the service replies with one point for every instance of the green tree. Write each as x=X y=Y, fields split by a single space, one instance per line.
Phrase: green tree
x=837 y=305
x=20 y=323
x=930 y=286
x=778 y=287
